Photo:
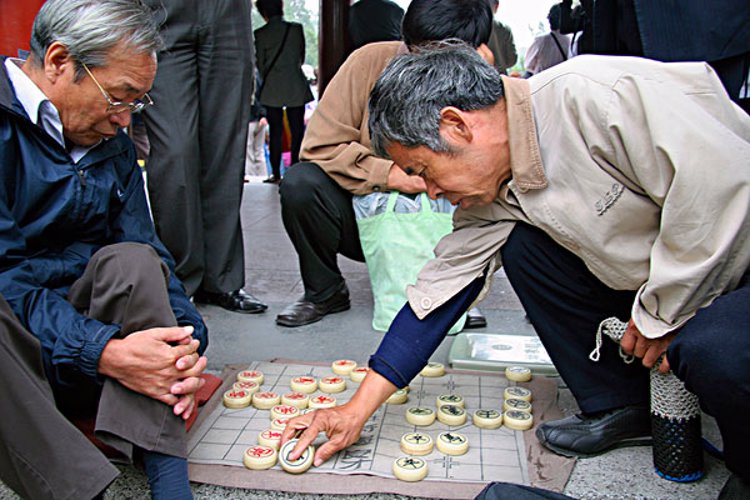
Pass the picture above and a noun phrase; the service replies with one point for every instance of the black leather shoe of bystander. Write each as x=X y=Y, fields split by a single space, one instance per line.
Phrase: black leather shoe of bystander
x=304 y=312
x=237 y=301
x=475 y=319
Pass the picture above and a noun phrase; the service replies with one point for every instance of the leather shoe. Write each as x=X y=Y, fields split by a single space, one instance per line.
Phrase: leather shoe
x=304 y=312
x=272 y=180
x=589 y=435
x=238 y=301
x=735 y=489
x=475 y=319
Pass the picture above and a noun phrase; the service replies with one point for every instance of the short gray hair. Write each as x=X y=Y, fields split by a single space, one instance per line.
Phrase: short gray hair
x=90 y=28
x=406 y=101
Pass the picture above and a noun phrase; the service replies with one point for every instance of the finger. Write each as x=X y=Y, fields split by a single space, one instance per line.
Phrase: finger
x=326 y=451
x=183 y=405
x=195 y=370
x=181 y=350
x=294 y=428
x=651 y=356
x=188 y=361
x=664 y=366
x=189 y=385
x=173 y=333
x=628 y=340
x=641 y=346
x=168 y=399
x=305 y=440
x=189 y=410
x=187 y=340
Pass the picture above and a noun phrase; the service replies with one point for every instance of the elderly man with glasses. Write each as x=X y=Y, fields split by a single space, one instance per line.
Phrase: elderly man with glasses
x=93 y=321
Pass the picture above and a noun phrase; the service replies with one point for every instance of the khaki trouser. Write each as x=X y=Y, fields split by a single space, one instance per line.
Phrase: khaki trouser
x=125 y=284
x=42 y=455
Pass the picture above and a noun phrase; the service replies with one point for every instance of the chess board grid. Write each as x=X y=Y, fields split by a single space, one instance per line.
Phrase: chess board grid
x=494 y=455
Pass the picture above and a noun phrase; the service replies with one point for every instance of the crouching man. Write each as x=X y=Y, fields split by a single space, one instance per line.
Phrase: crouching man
x=606 y=186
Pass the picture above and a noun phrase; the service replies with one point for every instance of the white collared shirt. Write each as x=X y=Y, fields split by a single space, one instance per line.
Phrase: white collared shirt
x=40 y=109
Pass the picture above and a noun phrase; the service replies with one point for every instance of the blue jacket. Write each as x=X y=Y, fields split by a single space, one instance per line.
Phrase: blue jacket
x=54 y=215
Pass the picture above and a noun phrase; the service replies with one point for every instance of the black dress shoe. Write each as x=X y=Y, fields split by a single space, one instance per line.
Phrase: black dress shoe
x=304 y=312
x=271 y=180
x=735 y=489
x=586 y=436
x=475 y=319
x=238 y=301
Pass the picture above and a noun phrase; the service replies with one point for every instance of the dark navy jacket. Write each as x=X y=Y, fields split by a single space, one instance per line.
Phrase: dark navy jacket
x=54 y=214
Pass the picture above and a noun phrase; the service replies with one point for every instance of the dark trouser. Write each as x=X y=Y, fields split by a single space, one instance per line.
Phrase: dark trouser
x=275 y=116
x=42 y=455
x=124 y=284
x=197 y=130
x=566 y=302
x=319 y=219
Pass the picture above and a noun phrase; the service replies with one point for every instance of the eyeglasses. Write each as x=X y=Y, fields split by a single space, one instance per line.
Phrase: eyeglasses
x=116 y=107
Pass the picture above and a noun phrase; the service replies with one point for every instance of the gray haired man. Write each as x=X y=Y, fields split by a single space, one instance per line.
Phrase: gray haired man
x=88 y=291
x=606 y=187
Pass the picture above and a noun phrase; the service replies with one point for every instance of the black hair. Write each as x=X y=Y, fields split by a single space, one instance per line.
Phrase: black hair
x=270 y=8
x=554 y=16
x=434 y=20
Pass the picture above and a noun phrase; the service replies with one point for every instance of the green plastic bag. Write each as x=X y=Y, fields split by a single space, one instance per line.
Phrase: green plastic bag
x=396 y=247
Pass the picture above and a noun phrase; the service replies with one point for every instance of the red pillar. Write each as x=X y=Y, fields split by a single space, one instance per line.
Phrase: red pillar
x=16 y=18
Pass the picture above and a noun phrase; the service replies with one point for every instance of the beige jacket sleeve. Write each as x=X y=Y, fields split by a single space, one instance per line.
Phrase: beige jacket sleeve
x=337 y=136
x=702 y=248
x=470 y=251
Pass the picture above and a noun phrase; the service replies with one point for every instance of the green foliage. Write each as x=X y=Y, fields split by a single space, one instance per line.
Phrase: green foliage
x=297 y=11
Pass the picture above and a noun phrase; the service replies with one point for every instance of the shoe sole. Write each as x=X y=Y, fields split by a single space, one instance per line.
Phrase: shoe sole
x=470 y=325
x=258 y=311
x=625 y=443
x=240 y=311
x=337 y=309
x=209 y=302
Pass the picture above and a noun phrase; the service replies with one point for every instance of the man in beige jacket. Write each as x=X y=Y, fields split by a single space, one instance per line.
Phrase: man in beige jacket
x=608 y=187
x=338 y=162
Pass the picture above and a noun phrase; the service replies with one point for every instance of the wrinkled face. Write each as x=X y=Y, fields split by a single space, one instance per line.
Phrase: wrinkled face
x=470 y=175
x=84 y=110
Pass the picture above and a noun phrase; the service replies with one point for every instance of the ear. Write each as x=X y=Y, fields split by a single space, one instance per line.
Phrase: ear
x=486 y=53
x=58 y=61
x=454 y=126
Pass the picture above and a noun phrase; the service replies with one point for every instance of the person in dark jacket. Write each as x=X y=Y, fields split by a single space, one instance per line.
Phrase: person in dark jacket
x=667 y=32
x=374 y=21
x=501 y=43
x=81 y=267
x=280 y=49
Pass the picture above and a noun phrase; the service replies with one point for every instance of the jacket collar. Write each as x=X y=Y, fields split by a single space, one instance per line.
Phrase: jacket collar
x=527 y=170
x=9 y=103
x=8 y=100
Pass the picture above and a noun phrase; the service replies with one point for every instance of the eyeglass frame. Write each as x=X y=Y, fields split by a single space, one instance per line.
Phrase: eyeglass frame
x=134 y=107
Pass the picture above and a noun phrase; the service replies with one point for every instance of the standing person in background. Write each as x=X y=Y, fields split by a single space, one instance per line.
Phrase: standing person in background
x=658 y=30
x=197 y=135
x=255 y=156
x=374 y=21
x=501 y=42
x=549 y=49
x=280 y=49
